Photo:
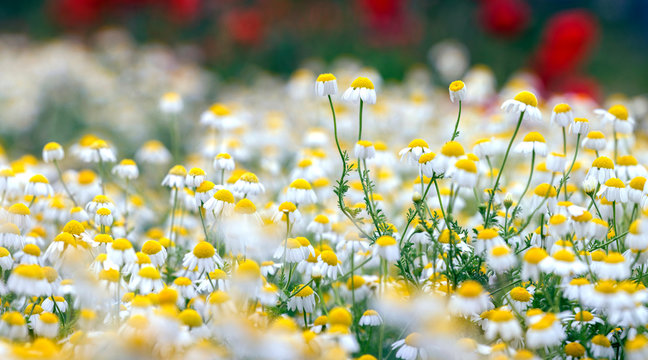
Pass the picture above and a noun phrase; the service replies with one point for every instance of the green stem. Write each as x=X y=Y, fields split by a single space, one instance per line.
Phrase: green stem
x=566 y=175
x=455 y=133
x=501 y=170
x=60 y=174
x=526 y=188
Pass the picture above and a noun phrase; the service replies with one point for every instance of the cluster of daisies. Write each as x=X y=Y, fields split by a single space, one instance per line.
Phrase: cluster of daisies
x=379 y=222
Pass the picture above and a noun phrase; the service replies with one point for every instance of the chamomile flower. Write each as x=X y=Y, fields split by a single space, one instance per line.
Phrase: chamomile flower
x=120 y=252
x=156 y=252
x=153 y=152
x=470 y=299
x=287 y=211
x=13 y=326
x=618 y=116
x=361 y=89
x=219 y=116
x=364 y=150
x=562 y=115
x=579 y=126
x=614 y=190
x=103 y=217
x=329 y=265
x=387 y=248
x=300 y=192
x=370 y=318
x=414 y=150
x=195 y=177
x=465 y=174
x=533 y=142
x=457 y=90
x=500 y=258
x=126 y=169
x=451 y=152
x=248 y=184
x=601 y=347
x=411 y=347
x=628 y=167
x=545 y=332
x=224 y=162
x=29 y=280
x=556 y=162
x=503 y=324
x=563 y=263
x=326 y=85
x=203 y=256
x=171 y=103
x=175 y=178
x=221 y=203
x=146 y=280
x=524 y=102
x=53 y=151
x=303 y=299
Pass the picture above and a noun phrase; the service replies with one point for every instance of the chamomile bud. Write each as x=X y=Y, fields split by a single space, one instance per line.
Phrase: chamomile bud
x=457 y=91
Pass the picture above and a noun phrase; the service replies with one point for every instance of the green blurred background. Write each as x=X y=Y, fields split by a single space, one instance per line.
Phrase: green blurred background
x=601 y=43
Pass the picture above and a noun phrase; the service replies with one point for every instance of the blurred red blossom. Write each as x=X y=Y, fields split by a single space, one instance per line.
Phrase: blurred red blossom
x=504 y=17
x=389 y=23
x=245 y=26
x=567 y=41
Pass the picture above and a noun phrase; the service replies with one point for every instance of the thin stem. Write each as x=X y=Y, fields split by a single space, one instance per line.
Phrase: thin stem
x=455 y=133
x=202 y=220
x=501 y=170
x=564 y=136
x=173 y=211
x=60 y=174
x=360 y=121
x=566 y=175
x=526 y=188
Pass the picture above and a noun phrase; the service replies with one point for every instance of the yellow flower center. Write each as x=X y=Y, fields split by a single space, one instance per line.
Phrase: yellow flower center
x=300 y=184
x=619 y=111
x=325 y=77
x=204 y=250
x=470 y=289
x=527 y=98
x=603 y=162
x=245 y=206
x=452 y=149
x=564 y=255
x=615 y=183
x=19 y=209
x=520 y=294
x=534 y=136
x=561 y=108
x=456 y=85
x=386 y=240
x=362 y=82
x=466 y=165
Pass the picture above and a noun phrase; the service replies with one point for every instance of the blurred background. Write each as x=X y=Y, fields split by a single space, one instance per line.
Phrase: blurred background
x=71 y=65
x=585 y=44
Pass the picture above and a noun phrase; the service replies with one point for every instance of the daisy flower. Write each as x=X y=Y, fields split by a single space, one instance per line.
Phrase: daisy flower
x=524 y=102
x=53 y=151
x=414 y=150
x=410 y=348
x=300 y=192
x=171 y=103
x=618 y=116
x=562 y=115
x=303 y=299
x=326 y=85
x=532 y=142
x=361 y=89
x=203 y=256
x=595 y=140
x=126 y=169
x=387 y=248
